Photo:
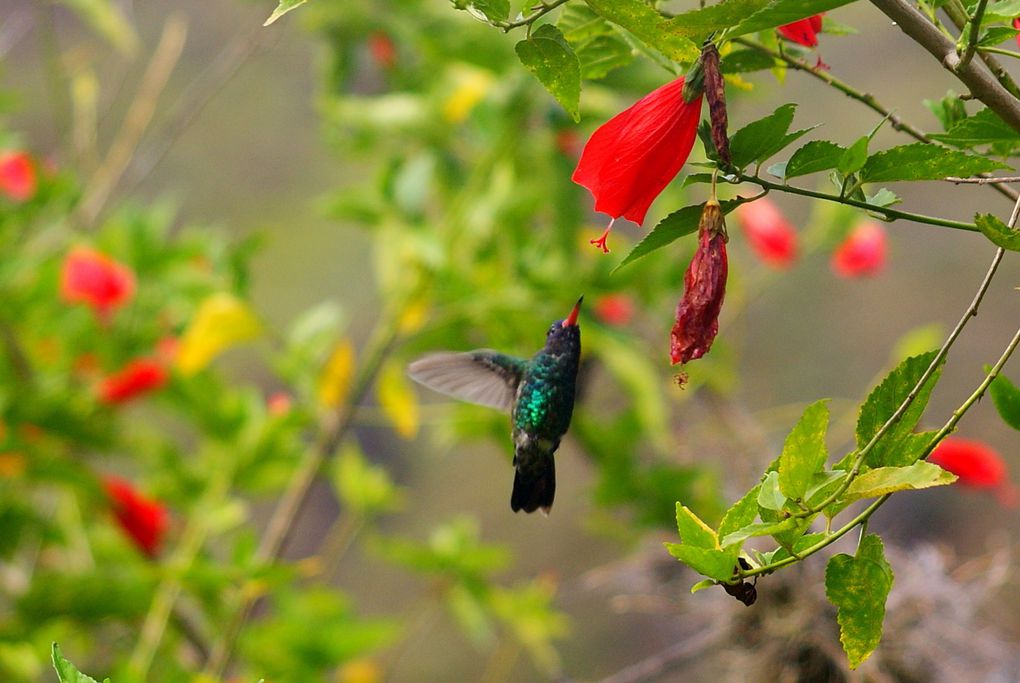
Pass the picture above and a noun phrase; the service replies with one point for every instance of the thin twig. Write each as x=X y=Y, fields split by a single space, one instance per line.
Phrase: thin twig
x=985 y=181
x=975 y=29
x=540 y=10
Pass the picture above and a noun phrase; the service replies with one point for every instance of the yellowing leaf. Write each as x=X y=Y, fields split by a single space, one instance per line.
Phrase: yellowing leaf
x=413 y=317
x=222 y=321
x=335 y=382
x=360 y=671
x=469 y=88
x=398 y=401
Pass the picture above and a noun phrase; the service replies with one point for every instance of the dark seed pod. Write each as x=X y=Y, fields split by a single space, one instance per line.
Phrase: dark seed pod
x=715 y=93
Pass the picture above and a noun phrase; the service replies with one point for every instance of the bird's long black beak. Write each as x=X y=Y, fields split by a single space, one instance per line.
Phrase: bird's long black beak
x=571 y=320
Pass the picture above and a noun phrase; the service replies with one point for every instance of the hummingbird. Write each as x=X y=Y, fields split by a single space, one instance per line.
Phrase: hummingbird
x=537 y=392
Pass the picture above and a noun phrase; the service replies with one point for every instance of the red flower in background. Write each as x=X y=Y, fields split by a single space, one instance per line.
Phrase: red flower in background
x=771 y=236
x=17 y=176
x=1016 y=25
x=862 y=253
x=697 y=313
x=144 y=520
x=631 y=158
x=382 y=49
x=138 y=377
x=977 y=465
x=803 y=32
x=91 y=277
x=614 y=309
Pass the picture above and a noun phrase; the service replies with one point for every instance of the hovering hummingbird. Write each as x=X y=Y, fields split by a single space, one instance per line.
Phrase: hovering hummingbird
x=538 y=393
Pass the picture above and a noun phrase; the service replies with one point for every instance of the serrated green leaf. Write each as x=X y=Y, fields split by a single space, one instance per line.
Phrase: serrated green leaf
x=858 y=587
x=674 y=226
x=920 y=161
x=692 y=530
x=66 y=671
x=759 y=140
x=580 y=25
x=781 y=12
x=603 y=54
x=817 y=155
x=990 y=37
x=548 y=55
x=493 y=10
x=984 y=128
x=697 y=24
x=741 y=513
x=998 y=232
x=1006 y=397
x=648 y=26
x=882 y=480
x=1002 y=11
x=711 y=562
x=883 y=401
x=282 y=8
x=745 y=61
x=854 y=157
x=760 y=529
x=804 y=451
x=770 y=496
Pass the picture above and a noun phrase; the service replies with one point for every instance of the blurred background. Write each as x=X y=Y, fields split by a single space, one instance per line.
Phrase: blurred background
x=374 y=153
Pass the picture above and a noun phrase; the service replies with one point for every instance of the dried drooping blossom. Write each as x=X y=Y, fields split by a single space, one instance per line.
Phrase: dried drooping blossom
x=697 y=313
x=715 y=94
x=144 y=520
x=863 y=252
x=804 y=31
x=139 y=377
x=91 y=277
x=771 y=237
x=615 y=310
x=631 y=158
x=977 y=465
x=18 y=180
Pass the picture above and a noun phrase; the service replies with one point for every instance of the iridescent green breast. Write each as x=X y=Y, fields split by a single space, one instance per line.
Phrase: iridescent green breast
x=545 y=399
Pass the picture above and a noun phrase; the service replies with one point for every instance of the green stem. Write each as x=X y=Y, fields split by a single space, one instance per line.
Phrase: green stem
x=975 y=27
x=957 y=13
x=1000 y=51
x=540 y=10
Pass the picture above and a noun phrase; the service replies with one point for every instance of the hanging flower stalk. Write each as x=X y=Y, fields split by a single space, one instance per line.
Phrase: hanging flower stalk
x=715 y=94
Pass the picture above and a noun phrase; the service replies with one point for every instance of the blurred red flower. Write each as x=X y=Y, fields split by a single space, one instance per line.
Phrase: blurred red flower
x=697 y=313
x=279 y=403
x=977 y=465
x=143 y=519
x=1016 y=25
x=614 y=309
x=862 y=253
x=771 y=236
x=94 y=278
x=17 y=176
x=138 y=377
x=803 y=32
x=631 y=158
x=382 y=49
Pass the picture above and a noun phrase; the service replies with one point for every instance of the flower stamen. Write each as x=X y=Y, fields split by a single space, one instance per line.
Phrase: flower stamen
x=602 y=240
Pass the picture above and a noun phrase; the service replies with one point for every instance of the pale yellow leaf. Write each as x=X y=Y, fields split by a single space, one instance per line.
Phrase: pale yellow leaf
x=222 y=321
x=335 y=381
x=398 y=401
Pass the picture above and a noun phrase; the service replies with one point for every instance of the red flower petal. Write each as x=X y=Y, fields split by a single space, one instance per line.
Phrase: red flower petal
x=1016 y=25
x=771 y=236
x=144 y=520
x=803 y=32
x=614 y=309
x=974 y=462
x=631 y=158
x=862 y=253
x=138 y=377
x=91 y=277
x=17 y=176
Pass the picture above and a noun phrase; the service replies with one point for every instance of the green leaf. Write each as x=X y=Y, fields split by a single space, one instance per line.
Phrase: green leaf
x=854 y=157
x=884 y=197
x=817 y=155
x=549 y=56
x=702 y=585
x=1002 y=11
x=649 y=26
x=760 y=139
x=998 y=232
x=494 y=10
x=883 y=401
x=711 y=562
x=920 y=161
x=883 y=480
x=580 y=25
x=697 y=24
x=742 y=513
x=66 y=671
x=692 y=530
x=770 y=496
x=106 y=19
x=984 y=128
x=949 y=110
x=674 y=226
x=281 y=9
x=995 y=35
x=1006 y=397
x=780 y=12
x=858 y=586
x=804 y=451
x=601 y=55
x=761 y=529
x=746 y=60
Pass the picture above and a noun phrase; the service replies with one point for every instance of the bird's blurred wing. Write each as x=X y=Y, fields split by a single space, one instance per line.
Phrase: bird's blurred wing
x=485 y=377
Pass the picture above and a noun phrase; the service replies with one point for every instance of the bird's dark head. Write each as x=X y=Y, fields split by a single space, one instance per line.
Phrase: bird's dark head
x=565 y=335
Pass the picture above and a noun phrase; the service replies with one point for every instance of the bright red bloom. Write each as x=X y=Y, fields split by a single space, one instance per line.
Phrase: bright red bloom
x=382 y=49
x=138 y=377
x=862 y=253
x=977 y=465
x=631 y=158
x=94 y=278
x=697 y=313
x=803 y=32
x=279 y=404
x=1016 y=25
x=143 y=519
x=614 y=309
x=771 y=236
x=17 y=176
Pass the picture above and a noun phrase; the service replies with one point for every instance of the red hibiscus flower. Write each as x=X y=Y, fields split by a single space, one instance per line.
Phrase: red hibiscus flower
x=631 y=158
x=137 y=378
x=1016 y=25
x=382 y=49
x=614 y=309
x=697 y=313
x=94 y=278
x=771 y=236
x=144 y=520
x=17 y=176
x=803 y=32
x=977 y=465
x=862 y=253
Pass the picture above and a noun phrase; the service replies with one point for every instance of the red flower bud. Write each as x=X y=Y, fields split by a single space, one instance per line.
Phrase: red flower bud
x=862 y=253
x=17 y=176
x=631 y=158
x=137 y=378
x=697 y=314
x=614 y=309
x=803 y=32
x=771 y=236
x=144 y=520
x=977 y=465
x=94 y=278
